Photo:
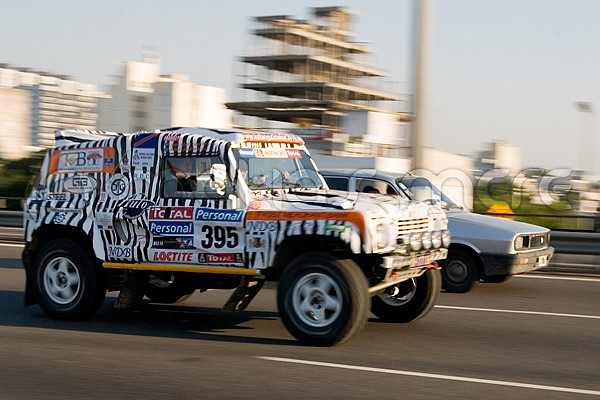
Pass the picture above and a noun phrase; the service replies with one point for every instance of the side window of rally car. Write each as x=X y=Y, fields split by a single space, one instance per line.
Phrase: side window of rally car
x=189 y=177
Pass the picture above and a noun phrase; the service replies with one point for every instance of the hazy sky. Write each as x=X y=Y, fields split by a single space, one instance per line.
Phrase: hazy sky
x=501 y=69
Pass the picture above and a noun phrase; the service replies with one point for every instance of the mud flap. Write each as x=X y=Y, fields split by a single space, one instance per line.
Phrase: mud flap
x=134 y=287
x=243 y=295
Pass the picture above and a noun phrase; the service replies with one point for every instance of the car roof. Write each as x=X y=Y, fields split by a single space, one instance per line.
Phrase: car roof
x=364 y=173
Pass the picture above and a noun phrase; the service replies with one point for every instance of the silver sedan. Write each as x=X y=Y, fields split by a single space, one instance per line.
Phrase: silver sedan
x=483 y=247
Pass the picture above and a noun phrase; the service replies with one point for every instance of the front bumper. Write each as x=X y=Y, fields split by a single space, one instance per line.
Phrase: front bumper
x=514 y=264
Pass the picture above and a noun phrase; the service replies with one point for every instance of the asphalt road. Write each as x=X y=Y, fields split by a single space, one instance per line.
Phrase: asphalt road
x=533 y=337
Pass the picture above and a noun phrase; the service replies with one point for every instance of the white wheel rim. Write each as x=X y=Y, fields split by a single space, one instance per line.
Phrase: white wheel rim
x=317 y=300
x=61 y=280
x=401 y=298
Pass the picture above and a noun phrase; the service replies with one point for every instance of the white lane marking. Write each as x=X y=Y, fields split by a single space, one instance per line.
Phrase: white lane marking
x=434 y=376
x=559 y=278
x=12 y=244
x=519 y=312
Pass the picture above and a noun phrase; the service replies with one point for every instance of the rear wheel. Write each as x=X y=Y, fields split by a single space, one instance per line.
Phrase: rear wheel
x=409 y=300
x=459 y=271
x=68 y=283
x=167 y=288
x=323 y=300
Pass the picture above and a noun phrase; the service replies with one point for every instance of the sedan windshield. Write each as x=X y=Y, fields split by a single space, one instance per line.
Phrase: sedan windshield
x=418 y=188
x=277 y=168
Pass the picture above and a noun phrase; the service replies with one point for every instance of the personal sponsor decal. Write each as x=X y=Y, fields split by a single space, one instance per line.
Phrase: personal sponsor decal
x=117 y=187
x=247 y=153
x=172 y=228
x=261 y=226
x=145 y=176
x=134 y=207
x=180 y=242
x=256 y=243
x=213 y=215
x=271 y=152
x=172 y=256
x=119 y=252
x=80 y=184
x=175 y=213
x=81 y=160
x=293 y=153
x=221 y=258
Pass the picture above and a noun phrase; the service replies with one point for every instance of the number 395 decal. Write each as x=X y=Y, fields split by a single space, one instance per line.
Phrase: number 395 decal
x=219 y=237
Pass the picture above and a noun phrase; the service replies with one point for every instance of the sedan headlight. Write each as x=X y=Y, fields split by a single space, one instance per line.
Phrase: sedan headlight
x=415 y=241
x=519 y=243
x=446 y=238
x=426 y=240
x=436 y=239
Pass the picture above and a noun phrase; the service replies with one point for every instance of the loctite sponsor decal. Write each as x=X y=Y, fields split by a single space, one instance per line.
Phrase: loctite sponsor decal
x=81 y=160
x=175 y=213
x=171 y=228
x=209 y=214
x=172 y=256
x=221 y=258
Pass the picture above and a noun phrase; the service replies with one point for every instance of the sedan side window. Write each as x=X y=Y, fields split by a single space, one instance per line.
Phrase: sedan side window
x=336 y=183
x=374 y=186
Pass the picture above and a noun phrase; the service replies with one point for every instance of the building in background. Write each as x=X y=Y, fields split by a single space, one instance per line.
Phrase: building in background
x=56 y=102
x=15 y=123
x=499 y=155
x=312 y=74
x=143 y=99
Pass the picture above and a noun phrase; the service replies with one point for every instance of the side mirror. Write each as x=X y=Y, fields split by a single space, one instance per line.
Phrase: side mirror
x=218 y=177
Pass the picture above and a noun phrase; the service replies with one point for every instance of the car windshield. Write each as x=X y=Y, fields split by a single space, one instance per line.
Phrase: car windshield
x=418 y=188
x=277 y=168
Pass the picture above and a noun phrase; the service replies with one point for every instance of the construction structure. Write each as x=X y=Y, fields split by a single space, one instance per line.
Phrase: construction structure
x=312 y=74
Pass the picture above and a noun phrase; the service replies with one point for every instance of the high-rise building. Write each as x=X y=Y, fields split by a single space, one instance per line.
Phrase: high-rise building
x=143 y=99
x=311 y=72
x=57 y=102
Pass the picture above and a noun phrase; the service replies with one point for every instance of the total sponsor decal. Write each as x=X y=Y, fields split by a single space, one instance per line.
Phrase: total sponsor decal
x=117 y=187
x=209 y=214
x=221 y=258
x=172 y=256
x=176 y=213
x=82 y=160
x=119 y=252
x=171 y=228
x=80 y=184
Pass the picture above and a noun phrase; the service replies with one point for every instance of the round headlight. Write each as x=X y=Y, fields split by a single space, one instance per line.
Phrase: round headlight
x=518 y=242
x=436 y=239
x=426 y=239
x=446 y=238
x=415 y=241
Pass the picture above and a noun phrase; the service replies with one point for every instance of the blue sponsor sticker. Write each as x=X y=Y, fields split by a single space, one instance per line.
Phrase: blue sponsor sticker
x=109 y=161
x=247 y=153
x=210 y=214
x=146 y=140
x=172 y=228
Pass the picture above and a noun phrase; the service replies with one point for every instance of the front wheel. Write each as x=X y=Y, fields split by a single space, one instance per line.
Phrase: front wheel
x=323 y=300
x=409 y=300
x=459 y=271
x=68 y=283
